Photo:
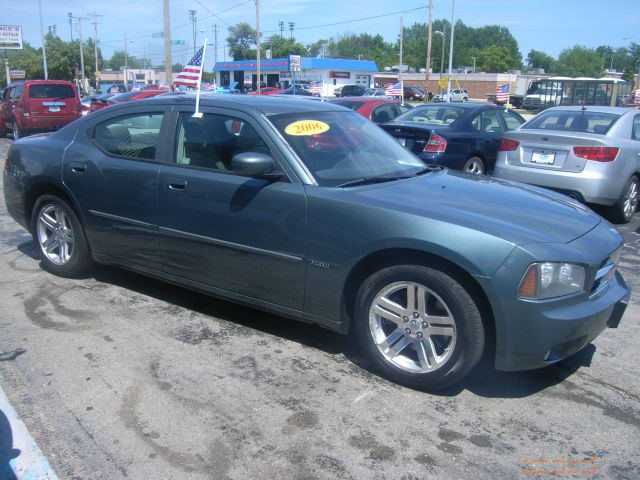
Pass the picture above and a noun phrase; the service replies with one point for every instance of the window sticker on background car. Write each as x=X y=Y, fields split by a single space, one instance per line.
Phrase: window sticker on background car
x=306 y=127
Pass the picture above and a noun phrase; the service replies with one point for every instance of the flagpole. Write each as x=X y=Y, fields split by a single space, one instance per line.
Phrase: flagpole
x=198 y=113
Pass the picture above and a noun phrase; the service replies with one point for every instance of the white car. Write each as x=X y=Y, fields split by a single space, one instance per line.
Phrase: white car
x=455 y=95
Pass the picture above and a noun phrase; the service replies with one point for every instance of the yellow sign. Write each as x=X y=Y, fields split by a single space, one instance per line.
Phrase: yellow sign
x=443 y=82
x=306 y=127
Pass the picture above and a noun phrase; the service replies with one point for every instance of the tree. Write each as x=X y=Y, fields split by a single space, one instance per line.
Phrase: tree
x=282 y=47
x=318 y=48
x=240 y=40
x=537 y=59
x=364 y=47
x=580 y=61
x=495 y=58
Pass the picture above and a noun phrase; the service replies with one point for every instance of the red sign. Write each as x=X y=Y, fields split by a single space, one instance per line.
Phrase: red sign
x=339 y=74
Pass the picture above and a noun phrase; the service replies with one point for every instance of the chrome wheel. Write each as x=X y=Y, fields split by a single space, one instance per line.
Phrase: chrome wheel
x=474 y=165
x=55 y=234
x=630 y=200
x=412 y=327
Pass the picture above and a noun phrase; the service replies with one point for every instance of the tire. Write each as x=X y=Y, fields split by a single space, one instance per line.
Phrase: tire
x=626 y=206
x=465 y=99
x=474 y=165
x=17 y=133
x=59 y=237
x=403 y=341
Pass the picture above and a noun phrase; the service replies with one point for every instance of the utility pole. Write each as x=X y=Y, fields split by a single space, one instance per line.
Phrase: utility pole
x=95 y=46
x=291 y=27
x=167 y=43
x=258 y=45
x=194 y=19
x=70 y=15
x=79 y=19
x=453 y=27
x=429 y=33
x=281 y=27
x=215 y=53
x=44 y=51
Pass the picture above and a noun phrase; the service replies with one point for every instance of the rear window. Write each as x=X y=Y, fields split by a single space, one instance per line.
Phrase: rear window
x=349 y=104
x=573 y=121
x=51 y=90
x=432 y=114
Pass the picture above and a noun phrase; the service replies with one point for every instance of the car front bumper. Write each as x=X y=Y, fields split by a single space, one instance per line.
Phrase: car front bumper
x=533 y=334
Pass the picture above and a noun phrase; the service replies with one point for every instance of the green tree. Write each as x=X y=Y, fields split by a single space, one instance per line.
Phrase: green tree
x=364 y=47
x=538 y=59
x=240 y=40
x=117 y=61
x=580 y=61
x=282 y=47
x=495 y=58
x=28 y=59
x=318 y=48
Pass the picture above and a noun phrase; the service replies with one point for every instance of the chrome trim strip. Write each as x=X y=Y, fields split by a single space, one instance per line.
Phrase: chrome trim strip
x=224 y=243
x=123 y=219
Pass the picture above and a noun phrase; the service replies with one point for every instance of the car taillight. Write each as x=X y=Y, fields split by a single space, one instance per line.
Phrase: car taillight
x=507 y=145
x=436 y=144
x=597 y=154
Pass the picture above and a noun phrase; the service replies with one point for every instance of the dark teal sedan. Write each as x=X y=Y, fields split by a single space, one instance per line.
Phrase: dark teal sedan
x=309 y=210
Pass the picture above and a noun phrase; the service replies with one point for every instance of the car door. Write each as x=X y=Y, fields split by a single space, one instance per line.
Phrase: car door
x=112 y=170
x=488 y=129
x=239 y=236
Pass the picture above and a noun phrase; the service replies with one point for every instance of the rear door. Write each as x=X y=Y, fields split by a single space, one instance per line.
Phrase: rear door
x=112 y=170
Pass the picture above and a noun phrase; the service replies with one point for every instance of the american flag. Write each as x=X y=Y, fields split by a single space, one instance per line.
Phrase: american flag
x=502 y=92
x=190 y=74
x=636 y=97
x=316 y=87
x=393 y=89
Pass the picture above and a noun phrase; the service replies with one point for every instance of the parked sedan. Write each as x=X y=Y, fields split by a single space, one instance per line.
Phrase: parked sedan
x=304 y=209
x=589 y=153
x=413 y=93
x=376 y=109
x=108 y=99
x=462 y=136
x=454 y=95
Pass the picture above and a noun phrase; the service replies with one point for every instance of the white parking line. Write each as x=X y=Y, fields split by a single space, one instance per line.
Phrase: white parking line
x=29 y=462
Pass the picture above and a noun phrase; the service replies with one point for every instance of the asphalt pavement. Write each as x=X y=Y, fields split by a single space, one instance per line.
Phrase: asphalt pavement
x=116 y=375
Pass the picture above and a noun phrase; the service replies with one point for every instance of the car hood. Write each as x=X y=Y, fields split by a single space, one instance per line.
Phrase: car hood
x=514 y=212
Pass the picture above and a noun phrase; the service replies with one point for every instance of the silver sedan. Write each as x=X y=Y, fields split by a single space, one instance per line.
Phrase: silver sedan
x=589 y=153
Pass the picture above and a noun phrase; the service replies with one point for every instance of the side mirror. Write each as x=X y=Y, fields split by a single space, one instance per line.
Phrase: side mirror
x=252 y=164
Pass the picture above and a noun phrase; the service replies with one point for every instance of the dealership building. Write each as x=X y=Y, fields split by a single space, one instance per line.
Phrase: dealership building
x=333 y=72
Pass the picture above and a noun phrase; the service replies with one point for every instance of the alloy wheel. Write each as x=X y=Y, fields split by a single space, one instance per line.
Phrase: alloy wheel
x=55 y=234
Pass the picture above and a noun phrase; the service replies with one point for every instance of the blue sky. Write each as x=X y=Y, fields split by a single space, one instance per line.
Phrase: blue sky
x=545 y=25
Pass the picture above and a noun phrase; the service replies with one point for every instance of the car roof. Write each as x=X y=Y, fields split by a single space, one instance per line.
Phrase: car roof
x=465 y=105
x=265 y=104
x=364 y=99
x=593 y=108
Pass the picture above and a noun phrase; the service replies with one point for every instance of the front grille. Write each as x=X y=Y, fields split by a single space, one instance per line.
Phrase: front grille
x=605 y=273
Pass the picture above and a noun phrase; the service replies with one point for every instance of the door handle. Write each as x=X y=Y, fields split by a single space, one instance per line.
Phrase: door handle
x=177 y=184
x=78 y=167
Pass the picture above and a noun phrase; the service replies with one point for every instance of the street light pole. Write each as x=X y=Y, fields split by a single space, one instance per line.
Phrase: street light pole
x=44 y=51
x=453 y=27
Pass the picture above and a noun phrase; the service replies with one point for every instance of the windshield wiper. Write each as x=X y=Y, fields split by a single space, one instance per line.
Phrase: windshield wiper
x=428 y=169
x=368 y=181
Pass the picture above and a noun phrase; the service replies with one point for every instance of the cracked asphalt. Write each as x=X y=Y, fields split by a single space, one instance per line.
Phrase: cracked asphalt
x=120 y=376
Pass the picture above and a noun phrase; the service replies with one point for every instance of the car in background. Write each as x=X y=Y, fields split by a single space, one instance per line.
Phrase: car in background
x=85 y=103
x=589 y=153
x=118 y=88
x=459 y=135
x=455 y=95
x=109 y=99
x=267 y=91
x=374 y=92
x=39 y=106
x=376 y=109
x=353 y=90
x=413 y=93
x=304 y=209
x=299 y=89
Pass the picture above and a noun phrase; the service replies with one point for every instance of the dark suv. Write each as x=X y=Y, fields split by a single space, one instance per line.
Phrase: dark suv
x=39 y=106
x=353 y=90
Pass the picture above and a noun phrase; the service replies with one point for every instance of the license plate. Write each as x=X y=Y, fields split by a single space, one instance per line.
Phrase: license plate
x=402 y=141
x=543 y=158
x=54 y=109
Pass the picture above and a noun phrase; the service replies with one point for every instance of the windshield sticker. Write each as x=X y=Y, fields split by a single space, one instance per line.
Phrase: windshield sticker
x=306 y=127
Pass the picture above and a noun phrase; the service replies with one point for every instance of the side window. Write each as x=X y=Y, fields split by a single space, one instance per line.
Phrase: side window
x=511 y=120
x=17 y=92
x=635 y=133
x=133 y=136
x=213 y=140
x=476 y=123
x=383 y=113
x=490 y=121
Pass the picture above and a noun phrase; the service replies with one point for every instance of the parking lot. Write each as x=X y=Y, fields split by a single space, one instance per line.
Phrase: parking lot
x=117 y=375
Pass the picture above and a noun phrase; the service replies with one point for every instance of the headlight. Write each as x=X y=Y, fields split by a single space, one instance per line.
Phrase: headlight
x=551 y=279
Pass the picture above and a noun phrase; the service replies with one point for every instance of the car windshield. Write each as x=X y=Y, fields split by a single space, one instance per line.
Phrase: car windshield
x=344 y=147
x=573 y=121
x=51 y=90
x=432 y=114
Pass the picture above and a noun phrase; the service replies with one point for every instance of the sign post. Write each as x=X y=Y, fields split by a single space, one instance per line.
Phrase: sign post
x=10 y=39
x=294 y=66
